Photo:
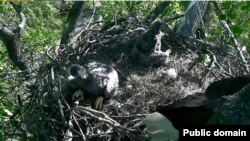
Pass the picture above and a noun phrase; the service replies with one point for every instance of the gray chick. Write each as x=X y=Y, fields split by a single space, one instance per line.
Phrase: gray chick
x=94 y=80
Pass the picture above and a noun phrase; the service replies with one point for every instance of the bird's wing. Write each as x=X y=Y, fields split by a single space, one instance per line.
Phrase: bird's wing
x=112 y=85
x=194 y=100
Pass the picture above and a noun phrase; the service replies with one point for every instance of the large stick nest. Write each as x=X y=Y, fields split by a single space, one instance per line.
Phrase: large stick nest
x=44 y=113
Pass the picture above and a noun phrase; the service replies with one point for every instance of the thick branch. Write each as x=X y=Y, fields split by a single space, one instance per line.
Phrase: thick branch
x=22 y=18
x=192 y=18
x=158 y=10
x=71 y=23
x=11 y=40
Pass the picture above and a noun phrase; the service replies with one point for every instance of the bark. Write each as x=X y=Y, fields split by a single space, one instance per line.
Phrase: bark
x=70 y=27
x=192 y=18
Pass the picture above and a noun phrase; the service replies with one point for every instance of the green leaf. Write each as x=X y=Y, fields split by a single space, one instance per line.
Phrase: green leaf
x=227 y=5
x=222 y=17
x=233 y=15
x=237 y=30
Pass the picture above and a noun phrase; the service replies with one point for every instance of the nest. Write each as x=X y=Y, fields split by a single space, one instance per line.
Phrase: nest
x=45 y=114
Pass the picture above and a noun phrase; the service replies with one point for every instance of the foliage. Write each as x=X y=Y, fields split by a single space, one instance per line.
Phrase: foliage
x=173 y=10
x=44 y=25
x=117 y=9
x=6 y=108
x=237 y=15
x=240 y=25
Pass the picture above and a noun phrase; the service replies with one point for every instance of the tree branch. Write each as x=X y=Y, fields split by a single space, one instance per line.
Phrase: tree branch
x=192 y=19
x=11 y=40
x=71 y=23
x=22 y=18
x=158 y=10
x=237 y=45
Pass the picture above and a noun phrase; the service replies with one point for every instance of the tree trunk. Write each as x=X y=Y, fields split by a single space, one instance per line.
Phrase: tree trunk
x=11 y=39
x=71 y=24
x=192 y=18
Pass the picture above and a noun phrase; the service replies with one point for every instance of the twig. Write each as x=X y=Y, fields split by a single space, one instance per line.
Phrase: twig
x=56 y=92
x=100 y=116
x=130 y=116
x=82 y=134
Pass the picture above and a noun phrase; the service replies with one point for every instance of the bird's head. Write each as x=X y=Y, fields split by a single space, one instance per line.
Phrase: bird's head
x=77 y=71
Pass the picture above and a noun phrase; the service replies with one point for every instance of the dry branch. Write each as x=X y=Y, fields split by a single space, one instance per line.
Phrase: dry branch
x=238 y=47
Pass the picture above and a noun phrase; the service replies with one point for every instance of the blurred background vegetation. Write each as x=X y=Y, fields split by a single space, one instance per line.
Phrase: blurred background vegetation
x=45 y=25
